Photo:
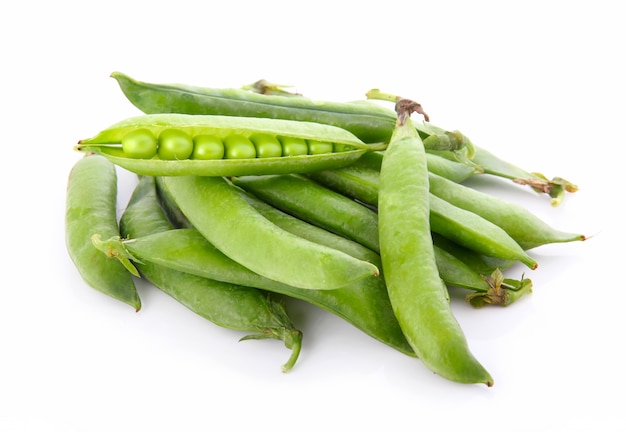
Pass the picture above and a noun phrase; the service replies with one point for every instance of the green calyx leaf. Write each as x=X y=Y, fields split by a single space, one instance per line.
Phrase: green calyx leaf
x=114 y=248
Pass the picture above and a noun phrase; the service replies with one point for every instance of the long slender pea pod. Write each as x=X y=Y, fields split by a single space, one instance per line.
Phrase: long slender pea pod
x=91 y=208
x=456 y=265
x=316 y=204
x=372 y=123
x=490 y=231
x=523 y=226
x=474 y=232
x=227 y=305
x=364 y=303
x=337 y=212
x=216 y=209
x=212 y=145
x=416 y=291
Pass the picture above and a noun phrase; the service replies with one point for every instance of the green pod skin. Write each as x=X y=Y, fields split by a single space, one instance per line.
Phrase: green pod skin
x=450 y=169
x=480 y=264
x=364 y=303
x=370 y=122
x=108 y=143
x=474 y=232
x=216 y=209
x=461 y=225
x=227 y=305
x=523 y=226
x=339 y=213
x=316 y=204
x=453 y=270
x=311 y=232
x=415 y=288
x=91 y=208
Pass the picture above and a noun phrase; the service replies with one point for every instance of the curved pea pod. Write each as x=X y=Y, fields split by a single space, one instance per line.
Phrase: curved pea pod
x=216 y=209
x=456 y=223
x=523 y=226
x=228 y=305
x=90 y=209
x=363 y=304
x=224 y=145
x=316 y=204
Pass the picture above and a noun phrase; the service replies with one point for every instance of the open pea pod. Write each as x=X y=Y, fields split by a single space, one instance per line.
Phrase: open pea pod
x=212 y=145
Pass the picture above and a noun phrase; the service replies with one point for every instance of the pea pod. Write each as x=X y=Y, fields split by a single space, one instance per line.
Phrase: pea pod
x=335 y=211
x=364 y=303
x=415 y=289
x=90 y=209
x=525 y=228
x=227 y=305
x=205 y=145
x=316 y=204
x=369 y=121
x=216 y=209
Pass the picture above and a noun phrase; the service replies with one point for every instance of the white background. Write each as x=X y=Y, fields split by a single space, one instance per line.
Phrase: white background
x=540 y=83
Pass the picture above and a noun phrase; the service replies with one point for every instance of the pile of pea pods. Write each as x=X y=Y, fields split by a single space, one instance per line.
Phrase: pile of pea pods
x=365 y=210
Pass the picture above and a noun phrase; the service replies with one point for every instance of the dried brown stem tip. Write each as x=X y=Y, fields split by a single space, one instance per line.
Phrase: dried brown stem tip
x=405 y=107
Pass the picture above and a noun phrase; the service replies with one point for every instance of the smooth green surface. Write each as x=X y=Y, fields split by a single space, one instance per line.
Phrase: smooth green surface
x=227 y=305
x=223 y=216
x=91 y=209
x=416 y=291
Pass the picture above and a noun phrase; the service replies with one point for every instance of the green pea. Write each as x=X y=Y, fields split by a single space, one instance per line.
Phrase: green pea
x=338 y=148
x=174 y=144
x=293 y=146
x=319 y=147
x=239 y=147
x=207 y=147
x=266 y=145
x=139 y=144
